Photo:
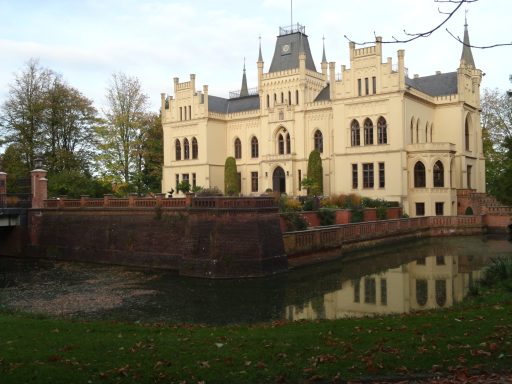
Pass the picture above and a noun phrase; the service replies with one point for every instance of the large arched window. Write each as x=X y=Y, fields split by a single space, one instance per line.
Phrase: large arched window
x=186 y=150
x=441 y=292
x=177 y=145
x=382 y=131
x=195 y=149
x=368 y=132
x=319 y=141
x=438 y=174
x=421 y=292
x=355 y=133
x=280 y=144
x=238 y=148
x=288 y=144
x=419 y=175
x=466 y=134
x=254 y=147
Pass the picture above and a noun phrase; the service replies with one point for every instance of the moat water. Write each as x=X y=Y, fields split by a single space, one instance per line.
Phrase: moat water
x=413 y=276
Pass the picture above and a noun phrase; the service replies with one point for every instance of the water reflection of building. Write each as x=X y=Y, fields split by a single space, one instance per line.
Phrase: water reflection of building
x=429 y=282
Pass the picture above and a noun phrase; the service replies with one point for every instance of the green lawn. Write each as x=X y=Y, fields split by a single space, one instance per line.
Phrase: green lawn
x=472 y=336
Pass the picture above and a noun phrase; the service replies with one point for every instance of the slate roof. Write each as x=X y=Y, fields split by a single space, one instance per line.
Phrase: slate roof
x=298 y=42
x=467 y=55
x=325 y=94
x=240 y=104
x=436 y=85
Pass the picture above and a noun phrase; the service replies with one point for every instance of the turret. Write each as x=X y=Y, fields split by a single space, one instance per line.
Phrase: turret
x=260 y=67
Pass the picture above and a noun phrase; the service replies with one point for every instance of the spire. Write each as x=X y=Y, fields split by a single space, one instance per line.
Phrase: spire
x=324 y=60
x=260 y=56
x=244 y=91
x=467 y=55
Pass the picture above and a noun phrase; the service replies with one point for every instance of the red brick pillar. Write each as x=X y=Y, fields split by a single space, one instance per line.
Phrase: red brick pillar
x=39 y=185
x=189 y=197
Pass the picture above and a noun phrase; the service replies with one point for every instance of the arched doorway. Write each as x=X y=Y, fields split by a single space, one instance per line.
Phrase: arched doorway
x=279 y=180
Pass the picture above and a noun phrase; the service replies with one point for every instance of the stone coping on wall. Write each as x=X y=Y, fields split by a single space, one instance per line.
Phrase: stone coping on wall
x=329 y=242
x=159 y=201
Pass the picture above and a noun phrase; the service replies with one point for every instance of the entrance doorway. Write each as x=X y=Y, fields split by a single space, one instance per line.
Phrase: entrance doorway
x=279 y=180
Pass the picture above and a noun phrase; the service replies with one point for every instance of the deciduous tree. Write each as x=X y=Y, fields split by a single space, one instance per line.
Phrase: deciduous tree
x=122 y=135
x=23 y=117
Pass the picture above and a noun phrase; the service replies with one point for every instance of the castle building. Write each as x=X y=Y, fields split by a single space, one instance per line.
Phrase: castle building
x=380 y=132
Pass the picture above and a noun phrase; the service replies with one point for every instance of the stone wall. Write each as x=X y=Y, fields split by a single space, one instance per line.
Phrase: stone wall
x=201 y=242
x=326 y=243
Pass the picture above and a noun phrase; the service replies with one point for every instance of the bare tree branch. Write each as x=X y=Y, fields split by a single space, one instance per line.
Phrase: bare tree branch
x=477 y=46
x=413 y=36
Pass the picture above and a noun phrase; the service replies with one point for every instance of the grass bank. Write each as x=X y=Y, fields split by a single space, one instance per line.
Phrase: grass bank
x=473 y=336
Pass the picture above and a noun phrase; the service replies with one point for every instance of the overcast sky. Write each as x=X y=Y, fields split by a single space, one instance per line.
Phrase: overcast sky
x=155 y=40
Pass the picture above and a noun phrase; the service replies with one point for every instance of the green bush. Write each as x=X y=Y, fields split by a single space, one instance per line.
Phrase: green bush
x=357 y=215
x=231 y=187
x=327 y=216
x=294 y=221
x=315 y=174
x=499 y=270
x=212 y=191
x=287 y=204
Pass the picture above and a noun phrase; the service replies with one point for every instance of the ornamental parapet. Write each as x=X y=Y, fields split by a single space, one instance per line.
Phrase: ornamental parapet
x=160 y=201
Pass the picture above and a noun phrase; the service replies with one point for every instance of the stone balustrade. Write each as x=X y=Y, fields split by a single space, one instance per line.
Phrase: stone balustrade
x=135 y=202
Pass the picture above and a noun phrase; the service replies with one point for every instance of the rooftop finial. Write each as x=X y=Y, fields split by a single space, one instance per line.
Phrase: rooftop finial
x=260 y=56
x=244 y=91
x=324 y=59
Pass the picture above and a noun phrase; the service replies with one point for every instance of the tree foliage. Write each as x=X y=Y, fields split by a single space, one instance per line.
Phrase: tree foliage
x=315 y=183
x=126 y=124
x=231 y=186
x=496 y=119
x=43 y=115
x=69 y=129
x=23 y=113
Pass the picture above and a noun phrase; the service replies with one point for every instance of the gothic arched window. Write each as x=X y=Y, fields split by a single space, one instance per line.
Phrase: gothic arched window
x=382 y=131
x=280 y=144
x=195 y=149
x=368 y=132
x=177 y=145
x=254 y=147
x=186 y=150
x=319 y=141
x=238 y=148
x=438 y=174
x=355 y=133
x=419 y=175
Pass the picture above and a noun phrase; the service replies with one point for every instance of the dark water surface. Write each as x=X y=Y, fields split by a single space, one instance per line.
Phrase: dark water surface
x=413 y=276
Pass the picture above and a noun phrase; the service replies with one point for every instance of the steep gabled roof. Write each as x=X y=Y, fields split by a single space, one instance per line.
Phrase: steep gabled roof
x=436 y=85
x=288 y=58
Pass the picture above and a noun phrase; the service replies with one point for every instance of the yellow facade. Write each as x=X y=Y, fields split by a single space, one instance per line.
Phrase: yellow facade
x=381 y=133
